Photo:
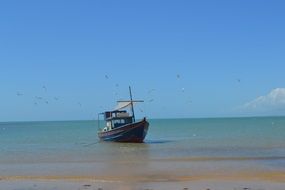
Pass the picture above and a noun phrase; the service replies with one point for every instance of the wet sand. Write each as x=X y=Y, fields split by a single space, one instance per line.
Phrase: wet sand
x=199 y=173
x=249 y=180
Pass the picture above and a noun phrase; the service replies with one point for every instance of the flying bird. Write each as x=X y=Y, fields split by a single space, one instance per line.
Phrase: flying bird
x=19 y=94
x=38 y=97
x=178 y=76
x=150 y=91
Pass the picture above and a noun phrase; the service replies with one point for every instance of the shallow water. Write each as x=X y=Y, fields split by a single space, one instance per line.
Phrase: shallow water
x=171 y=146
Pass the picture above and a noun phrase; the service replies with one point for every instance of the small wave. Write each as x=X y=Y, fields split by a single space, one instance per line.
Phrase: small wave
x=186 y=159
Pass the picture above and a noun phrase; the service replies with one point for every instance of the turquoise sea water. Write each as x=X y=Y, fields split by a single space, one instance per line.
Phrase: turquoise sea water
x=257 y=142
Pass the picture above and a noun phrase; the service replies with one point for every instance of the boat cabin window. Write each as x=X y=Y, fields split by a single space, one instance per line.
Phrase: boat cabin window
x=116 y=119
x=116 y=114
x=120 y=122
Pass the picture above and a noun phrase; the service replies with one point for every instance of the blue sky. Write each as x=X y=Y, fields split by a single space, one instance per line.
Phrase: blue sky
x=203 y=58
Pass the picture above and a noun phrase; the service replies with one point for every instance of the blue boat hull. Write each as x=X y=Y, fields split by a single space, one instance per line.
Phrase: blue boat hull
x=133 y=132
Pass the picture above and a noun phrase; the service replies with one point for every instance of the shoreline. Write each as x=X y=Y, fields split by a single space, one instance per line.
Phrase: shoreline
x=269 y=181
x=271 y=176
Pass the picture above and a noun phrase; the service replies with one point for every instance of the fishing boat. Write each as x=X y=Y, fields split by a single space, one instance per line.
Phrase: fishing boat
x=121 y=125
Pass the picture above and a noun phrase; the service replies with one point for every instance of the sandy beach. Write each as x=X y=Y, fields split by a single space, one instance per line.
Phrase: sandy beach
x=78 y=183
x=247 y=180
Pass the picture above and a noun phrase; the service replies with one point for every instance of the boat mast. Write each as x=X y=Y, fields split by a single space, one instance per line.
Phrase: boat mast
x=98 y=117
x=132 y=106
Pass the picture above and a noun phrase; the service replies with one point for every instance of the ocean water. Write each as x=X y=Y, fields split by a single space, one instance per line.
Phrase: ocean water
x=172 y=145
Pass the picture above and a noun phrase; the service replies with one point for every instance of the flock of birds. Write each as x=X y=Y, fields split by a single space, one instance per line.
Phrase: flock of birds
x=43 y=99
x=150 y=93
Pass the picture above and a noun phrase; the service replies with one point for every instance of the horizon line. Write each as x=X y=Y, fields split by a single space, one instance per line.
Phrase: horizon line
x=222 y=117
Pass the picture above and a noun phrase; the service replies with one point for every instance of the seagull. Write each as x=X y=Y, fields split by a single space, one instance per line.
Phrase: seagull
x=106 y=77
x=55 y=98
x=178 y=76
x=150 y=91
x=151 y=100
x=117 y=85
x=19 y=94
x=79 y=104
x=46 y=102
x=44 y=87
x=38 y=97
